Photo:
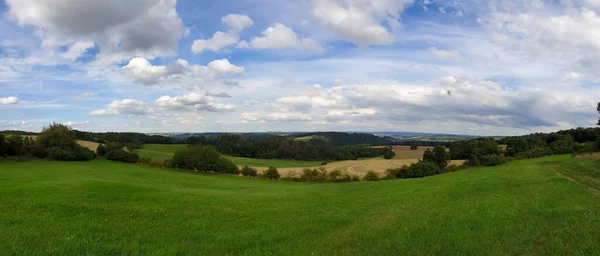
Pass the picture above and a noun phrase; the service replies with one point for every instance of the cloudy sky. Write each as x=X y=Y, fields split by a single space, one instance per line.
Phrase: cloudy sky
x=499 y=67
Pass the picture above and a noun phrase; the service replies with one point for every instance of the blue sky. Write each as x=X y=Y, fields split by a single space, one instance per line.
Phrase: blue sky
x=464 y=66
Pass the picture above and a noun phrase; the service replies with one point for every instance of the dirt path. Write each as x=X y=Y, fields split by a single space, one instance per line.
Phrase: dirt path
x=555 y=169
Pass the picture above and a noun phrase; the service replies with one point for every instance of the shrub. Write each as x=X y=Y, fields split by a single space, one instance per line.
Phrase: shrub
x=314 y=174
x=101 y=150
x=203 y=159
x=395 y=173
x=491 y=160
x=110 y=146
x=325 y=162
x=37 y=150
x=451 y=168
x=122 y=156
x=389 y=154
x=144 y=160
x=81 y=154
x=248 y=171
x=420 y=169
x=335 y=176
x=272 y=173
x=536 y=152
x=371 y=176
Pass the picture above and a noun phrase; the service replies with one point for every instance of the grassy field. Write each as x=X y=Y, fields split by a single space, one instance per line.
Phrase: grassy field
x=107 y=208
x=162 y=152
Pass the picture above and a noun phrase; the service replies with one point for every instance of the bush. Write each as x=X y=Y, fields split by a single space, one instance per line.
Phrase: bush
x=122 y=156
x=389 y=154
x=451 y=168
x=395 y=173
x=314 y=174
x=37 y=150
x=144 y=160
x=248 y=171
x=81 y=154
x=101 y=150
x=420 y=169
x=335 y=176
x=203 y=159
x=491 y=160
x=272 y=173
x=371 y=176
x=536 y=152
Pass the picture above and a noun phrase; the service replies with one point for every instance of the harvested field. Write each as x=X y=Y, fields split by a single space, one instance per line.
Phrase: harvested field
x=357 y=167
x=88 y=144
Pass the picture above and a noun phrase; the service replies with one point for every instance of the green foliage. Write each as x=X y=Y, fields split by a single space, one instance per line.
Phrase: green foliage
x=272 y=173
x=388 y=153
x=413 y=146
x=420 y=169
x=58 y=136
x=111 y=145
x=2 y=145
x=80 y=154
x=249 y=171
x=37 y=150
x=464 y=149
x=371 y=176
x=15 y=146
x=203 y=159
x=536 y=152
x=395 y=173
x=122 y=156
x=100 y=150
x=144 y=160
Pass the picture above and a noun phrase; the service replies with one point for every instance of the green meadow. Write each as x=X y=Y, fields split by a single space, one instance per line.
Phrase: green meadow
x=108 y=208
x=161 y=152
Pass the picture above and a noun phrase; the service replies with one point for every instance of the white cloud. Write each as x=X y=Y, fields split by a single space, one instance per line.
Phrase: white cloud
x=77 y=49
x=278 y=36
x=217 y=94
x=192 y=101
x=220 y=40
x=276 y=116
x=571 y=77
x=360 y=22
x=123 y=107
x=143 y=72
x=144 y=28
x=84 y=95
x=9 y=100
x=452 y=55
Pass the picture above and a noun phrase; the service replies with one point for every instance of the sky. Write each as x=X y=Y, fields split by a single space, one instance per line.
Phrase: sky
x=495 y=67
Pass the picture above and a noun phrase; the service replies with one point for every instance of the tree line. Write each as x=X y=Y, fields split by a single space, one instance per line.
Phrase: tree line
x=286 y=148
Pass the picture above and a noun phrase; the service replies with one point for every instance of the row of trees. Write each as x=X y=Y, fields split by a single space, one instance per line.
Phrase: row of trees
x=286 y=148
x=56 y=142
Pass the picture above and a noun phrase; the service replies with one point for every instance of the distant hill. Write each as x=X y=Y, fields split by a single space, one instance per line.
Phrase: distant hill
x=344 y=138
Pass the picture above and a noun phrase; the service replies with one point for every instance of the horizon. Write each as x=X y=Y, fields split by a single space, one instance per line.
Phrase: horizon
x=182 y=66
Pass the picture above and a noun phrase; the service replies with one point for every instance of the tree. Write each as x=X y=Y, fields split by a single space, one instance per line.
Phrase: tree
x=272 y=173
x=122 y=156
x=248 y=171
x=429 y=156
x=389 y=153
x=2 y=145
x=441 y=156
x=598 y=109
x=14 y=146
x=100 y=150
x=413 y=146
x=58 y=135
x=203 y=159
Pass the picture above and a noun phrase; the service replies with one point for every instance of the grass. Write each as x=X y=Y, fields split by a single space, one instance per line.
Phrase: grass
x=162 y=152
x=310 y=137
x=107 y=208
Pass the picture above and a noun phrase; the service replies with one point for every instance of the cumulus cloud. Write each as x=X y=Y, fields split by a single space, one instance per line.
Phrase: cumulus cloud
x=220 y=40
x=143 y=72
x=360 y=22
x=123 y=107
x=452 y=55
x=192 y=101
x=145 y=28
x=9 y=100
x=279 y=36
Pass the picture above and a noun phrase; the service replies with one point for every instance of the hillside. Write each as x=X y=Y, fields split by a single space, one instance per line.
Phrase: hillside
x=102 y=208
